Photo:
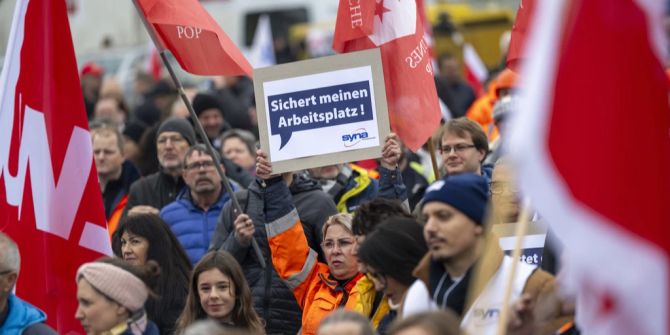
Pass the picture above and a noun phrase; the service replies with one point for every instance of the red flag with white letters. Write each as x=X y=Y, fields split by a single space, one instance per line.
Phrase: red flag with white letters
x=50 y=200
x=186 y=29
x=414 y=110
x=592 y=145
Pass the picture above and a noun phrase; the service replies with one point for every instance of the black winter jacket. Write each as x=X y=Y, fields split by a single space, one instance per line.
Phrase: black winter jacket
x=273 y=300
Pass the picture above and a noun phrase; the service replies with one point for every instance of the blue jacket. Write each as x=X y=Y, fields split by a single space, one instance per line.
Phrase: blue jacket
x=21 y=315
x=192 y=226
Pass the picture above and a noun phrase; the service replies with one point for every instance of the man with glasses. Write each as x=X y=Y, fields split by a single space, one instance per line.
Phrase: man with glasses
x=463 y=145
x=151 y=193
x=16 y=315
x=193 y=215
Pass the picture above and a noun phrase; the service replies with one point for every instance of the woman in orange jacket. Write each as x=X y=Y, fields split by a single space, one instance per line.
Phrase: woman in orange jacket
x=318 y=288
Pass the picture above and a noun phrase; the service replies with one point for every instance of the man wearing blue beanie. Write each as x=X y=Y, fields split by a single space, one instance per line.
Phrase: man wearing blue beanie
x=455 y=210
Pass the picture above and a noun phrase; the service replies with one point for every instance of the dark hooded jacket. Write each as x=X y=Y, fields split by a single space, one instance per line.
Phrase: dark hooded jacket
x=273 y=300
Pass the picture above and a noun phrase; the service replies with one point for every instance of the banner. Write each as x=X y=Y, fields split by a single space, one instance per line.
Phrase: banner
x=50 y=201
x=322 y=111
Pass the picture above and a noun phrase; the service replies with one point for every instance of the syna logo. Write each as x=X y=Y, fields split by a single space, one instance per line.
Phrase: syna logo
x=355 y=137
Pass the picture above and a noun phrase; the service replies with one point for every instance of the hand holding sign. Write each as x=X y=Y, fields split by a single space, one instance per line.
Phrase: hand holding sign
x=391 y=152
x=263 y=166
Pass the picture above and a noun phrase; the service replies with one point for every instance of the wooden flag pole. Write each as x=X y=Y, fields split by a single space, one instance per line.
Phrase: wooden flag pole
x=521 y=228
x=210 y=149
x=433 y=159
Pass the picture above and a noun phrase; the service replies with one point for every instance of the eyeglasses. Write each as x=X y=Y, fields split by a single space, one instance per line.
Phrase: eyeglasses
x=197 y=165
x=500 y=187
x=458 y=148
x=341 y=244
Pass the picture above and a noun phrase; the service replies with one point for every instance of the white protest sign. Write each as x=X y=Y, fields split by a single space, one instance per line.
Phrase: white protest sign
x=532 y=245
x=322 y=111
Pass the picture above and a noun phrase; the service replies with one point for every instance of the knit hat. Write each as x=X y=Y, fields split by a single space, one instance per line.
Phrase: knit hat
x=467 y=192
x=394 y=248
x=179 y=125
x=205 y=101
x=116 y=283
x=502 y=109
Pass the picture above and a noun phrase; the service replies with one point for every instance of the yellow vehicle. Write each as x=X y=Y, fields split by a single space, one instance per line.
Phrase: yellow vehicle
x=456 y=24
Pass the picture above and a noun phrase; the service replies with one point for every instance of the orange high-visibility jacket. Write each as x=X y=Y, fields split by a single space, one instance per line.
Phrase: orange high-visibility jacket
x=316 y=291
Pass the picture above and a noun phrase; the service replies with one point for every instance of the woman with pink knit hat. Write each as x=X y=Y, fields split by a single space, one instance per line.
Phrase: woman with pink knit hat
x=111 y=295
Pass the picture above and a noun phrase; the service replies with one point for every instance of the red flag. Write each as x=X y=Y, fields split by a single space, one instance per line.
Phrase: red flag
x=186 y=29
x=354 y=20
x=414 y=111
x=519 y=33
x=50 y=200
x=593 y=148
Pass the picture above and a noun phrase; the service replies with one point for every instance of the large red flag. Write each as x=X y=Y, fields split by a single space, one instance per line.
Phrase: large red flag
x=186 y=29
x=50 y=200
x=593 y=148
x=414 y=111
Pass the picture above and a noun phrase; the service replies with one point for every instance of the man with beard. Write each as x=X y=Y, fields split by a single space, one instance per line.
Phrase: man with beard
x=193 y=215
x=151 y=193
x=455 y=210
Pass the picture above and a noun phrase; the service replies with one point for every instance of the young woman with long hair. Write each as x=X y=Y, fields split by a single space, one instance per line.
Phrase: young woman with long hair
x=219 y=291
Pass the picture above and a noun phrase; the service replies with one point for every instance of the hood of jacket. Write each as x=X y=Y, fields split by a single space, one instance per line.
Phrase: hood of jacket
x=302 y=182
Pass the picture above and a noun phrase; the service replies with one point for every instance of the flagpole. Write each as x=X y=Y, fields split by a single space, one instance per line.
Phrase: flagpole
x=198 y=127
x=210 y=149
x=433 y=159
x=521 y=229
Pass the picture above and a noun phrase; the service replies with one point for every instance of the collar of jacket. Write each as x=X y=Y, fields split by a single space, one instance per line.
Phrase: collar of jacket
x=168 y=178
x=185 y=197
x=485 y=267
x=333 y=284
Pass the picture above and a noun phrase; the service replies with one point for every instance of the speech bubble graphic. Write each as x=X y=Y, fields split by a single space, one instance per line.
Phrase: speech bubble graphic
x=319 y=108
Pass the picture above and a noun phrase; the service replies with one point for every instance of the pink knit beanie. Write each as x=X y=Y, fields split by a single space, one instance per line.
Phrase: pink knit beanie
x=116 y=283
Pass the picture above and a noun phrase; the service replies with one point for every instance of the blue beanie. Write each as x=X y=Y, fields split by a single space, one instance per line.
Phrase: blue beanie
x=466 y=192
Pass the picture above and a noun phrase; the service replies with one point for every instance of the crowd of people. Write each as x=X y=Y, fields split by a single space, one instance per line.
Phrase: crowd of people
x=372 y=247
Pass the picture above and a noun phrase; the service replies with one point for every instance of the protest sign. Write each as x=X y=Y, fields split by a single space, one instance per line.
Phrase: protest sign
x=322 y=111
x=533 y=242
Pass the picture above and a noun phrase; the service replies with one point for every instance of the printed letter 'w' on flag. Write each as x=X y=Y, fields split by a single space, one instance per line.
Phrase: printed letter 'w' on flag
x=414 y=111
x=592 y=144
x=50 y=200
x=186 y=29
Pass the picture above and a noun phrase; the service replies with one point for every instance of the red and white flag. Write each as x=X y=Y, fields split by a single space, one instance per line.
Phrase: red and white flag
x=186 y=29
x=475 y=69
x=50 y=200
x=414 y=111
x=592 y=144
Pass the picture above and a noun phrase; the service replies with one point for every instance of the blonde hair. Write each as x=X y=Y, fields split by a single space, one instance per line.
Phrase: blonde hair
x=342 y=219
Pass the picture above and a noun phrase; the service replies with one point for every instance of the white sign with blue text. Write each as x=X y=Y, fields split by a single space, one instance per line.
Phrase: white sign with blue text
x=323 y=111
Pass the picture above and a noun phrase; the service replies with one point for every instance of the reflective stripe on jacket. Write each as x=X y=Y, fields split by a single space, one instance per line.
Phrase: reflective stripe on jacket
x=315 y=290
